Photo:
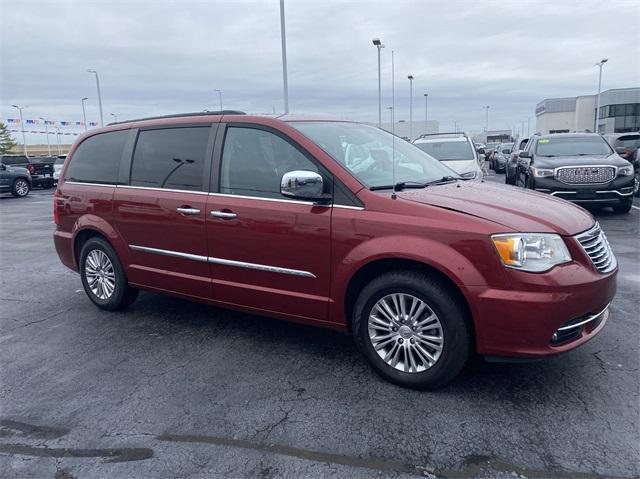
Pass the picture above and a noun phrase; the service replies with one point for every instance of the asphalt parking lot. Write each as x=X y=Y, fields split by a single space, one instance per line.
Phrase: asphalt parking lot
x=172 y=389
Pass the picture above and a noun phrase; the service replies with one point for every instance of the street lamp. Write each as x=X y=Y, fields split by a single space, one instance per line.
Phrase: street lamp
x=283 y=37
x=379 y=45
x=486 y=123
x=46 y=130
x=115 y=117
x=426 y=97
x=99 y=95
x=393 y=128
x=84 y=113
x=410 y=77
x=219 y=97
x=24 y=141
x=599 y=64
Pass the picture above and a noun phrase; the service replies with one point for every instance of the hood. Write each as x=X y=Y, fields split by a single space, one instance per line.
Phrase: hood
x=557 y=161
x=462 y=166
x=516 y=208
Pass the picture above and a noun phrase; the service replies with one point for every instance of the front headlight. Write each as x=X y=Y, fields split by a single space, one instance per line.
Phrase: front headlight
x=533 y=252
x=542 y=172
x=626 y=170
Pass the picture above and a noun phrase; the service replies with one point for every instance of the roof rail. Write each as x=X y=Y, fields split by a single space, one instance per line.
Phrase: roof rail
x=182 y=115
x=424 y=135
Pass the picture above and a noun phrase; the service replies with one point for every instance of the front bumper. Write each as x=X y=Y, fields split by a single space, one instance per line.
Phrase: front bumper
x=521 y=321
x=613 y=192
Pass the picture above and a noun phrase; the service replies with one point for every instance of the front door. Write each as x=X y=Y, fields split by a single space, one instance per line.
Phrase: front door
x=265 y=251
x=161 y=214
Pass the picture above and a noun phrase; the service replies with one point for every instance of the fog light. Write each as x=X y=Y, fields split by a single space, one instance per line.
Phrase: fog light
x=554 y=338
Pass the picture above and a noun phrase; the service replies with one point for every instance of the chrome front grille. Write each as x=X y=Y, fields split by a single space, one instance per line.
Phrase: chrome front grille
x=595 y=244
x=583 y=175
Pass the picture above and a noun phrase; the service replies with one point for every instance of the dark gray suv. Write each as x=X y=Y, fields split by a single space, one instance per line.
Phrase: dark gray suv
x=579 y=167
x=14 y=180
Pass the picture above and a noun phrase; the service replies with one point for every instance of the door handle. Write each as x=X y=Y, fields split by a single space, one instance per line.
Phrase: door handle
x=225 y=215
x=188 y=211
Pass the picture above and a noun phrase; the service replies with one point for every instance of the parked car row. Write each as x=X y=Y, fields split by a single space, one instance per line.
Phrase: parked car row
x=42 y=171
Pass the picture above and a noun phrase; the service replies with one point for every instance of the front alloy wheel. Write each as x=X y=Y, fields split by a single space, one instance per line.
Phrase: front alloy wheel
x=406 y=333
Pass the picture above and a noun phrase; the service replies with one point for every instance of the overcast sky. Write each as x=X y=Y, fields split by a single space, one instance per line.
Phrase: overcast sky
x=160 y=57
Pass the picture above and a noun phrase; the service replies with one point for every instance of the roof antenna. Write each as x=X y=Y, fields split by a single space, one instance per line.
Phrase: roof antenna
x=393 y=128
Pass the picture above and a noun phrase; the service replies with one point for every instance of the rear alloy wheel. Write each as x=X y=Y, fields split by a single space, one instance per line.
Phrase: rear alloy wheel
x=103 y=277
x=20 y=188
x=412 y=329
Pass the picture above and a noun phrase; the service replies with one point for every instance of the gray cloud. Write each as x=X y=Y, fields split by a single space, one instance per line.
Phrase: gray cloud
x=157 y=57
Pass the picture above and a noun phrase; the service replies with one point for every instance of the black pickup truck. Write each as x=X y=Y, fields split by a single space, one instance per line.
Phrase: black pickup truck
x=40 y=167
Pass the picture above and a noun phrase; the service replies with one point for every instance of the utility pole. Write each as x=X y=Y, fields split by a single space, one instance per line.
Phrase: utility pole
x=426 y=97
x=379 y=45
x=410 y=77
x=283 y=37
x=99 y=95
x=46 y=131
x=219 y=97
x=24 y=141
x=84 y=113
x=393 y=91
x=486 y=122
x=599 y=64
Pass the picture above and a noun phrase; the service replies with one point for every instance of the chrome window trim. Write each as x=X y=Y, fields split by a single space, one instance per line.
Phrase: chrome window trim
x=153 y=188
x=588 y=320
x=346 y=207
x=260 y=198
x=224 y=262
x=109 y=185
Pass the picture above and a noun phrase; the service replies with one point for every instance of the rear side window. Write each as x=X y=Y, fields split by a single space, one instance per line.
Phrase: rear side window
x=97 y=159
x=171 y=158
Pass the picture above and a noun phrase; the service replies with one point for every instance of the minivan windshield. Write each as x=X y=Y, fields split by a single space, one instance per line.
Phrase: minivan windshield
x=369 y=153
x=448 y=150
x=573 y=146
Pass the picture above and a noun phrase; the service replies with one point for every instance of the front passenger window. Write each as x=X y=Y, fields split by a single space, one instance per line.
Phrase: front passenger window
x=254 y=160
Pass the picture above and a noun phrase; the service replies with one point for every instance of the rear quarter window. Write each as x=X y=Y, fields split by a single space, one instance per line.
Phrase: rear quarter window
x=97 y=159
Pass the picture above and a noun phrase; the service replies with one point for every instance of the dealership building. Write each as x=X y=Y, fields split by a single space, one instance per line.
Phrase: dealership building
x=619 y=113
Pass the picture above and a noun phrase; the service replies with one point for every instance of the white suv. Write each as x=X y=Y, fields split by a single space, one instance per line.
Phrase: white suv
x=456 y=150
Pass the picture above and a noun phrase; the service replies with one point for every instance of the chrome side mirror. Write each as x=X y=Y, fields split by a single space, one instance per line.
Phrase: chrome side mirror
x=303 y=185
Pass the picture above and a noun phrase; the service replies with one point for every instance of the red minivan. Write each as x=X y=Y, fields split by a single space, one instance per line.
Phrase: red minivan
x=337 y=224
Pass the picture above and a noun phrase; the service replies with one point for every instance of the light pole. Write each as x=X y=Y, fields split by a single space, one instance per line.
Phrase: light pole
x=219 y=97
x=46 y=131
x=426 y=97
x=24 y=141
x=410 y=77
x=58 y=138
x=393 y=88
x=283 y=37
x=115 y=117
x=379 y=45
x=99 y=95
x=84 y=113
x=486 y=122
x=393 y=128
x=599 y=64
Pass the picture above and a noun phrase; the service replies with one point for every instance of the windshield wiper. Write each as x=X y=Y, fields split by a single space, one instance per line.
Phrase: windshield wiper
x=444 y=179
x=402 y=185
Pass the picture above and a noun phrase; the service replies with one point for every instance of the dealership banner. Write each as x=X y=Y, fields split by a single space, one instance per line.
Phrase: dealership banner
x=53 y=123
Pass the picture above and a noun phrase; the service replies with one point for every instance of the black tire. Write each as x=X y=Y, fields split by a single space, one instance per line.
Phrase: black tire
x=636 y=184
x=123 y=294
x=20 y=188
x=508 y=179
x=456 y=328
x=624 y=206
